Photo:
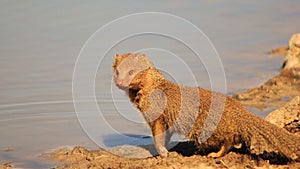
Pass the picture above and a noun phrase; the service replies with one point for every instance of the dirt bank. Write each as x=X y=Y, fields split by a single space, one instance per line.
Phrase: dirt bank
x=80 y=157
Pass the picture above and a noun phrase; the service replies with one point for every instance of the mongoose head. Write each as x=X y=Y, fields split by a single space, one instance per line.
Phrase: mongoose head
x=127 y=66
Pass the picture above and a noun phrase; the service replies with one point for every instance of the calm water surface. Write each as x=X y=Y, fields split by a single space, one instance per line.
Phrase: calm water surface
x=41 y=40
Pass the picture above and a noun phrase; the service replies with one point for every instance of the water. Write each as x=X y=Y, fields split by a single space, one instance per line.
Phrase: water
x=41 y=40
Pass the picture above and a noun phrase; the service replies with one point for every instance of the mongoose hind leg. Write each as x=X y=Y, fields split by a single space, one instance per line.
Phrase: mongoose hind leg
x=223 y=150
x=234 y=141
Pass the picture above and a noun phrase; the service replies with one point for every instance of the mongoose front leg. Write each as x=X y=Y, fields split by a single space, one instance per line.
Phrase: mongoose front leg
x=223 y=150
x=159 y=136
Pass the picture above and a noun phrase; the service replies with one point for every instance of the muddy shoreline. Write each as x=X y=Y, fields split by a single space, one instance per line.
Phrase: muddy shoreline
x=79 y=157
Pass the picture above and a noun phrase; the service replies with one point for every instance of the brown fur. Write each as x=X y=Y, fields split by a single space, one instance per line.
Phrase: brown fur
x=191 y=111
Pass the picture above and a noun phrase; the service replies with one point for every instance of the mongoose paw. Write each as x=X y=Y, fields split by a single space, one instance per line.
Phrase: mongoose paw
x=238 y=145
x=213 y=155
x=163 y=152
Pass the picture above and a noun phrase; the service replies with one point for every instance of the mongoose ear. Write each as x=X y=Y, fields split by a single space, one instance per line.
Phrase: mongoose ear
x=149 y=63
x=144 y=58
x=118 y=57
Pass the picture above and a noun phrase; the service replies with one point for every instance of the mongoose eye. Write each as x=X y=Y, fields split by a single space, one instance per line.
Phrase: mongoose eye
x=130 y=72
x=117 y=72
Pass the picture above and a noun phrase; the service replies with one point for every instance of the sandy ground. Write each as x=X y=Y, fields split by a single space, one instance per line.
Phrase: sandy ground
x=79 y=157
x=274 y=92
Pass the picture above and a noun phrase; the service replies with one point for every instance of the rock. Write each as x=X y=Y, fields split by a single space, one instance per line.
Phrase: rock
x=291 y=65
x=288 y=116
x=279 y=51
x=275 y=91
x=7 y=165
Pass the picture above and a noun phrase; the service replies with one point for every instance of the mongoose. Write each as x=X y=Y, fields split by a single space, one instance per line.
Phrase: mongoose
x=168 y=107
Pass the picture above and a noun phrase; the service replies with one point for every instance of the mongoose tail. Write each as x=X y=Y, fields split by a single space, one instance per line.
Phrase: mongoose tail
x=239 y=127
x=264 y=137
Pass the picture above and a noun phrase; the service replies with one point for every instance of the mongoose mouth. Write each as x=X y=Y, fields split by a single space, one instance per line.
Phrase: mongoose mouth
x=120 y=84
x=122 y=87
x=134 y=86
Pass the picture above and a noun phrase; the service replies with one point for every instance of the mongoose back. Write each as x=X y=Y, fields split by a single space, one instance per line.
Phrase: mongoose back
x=168 y=107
